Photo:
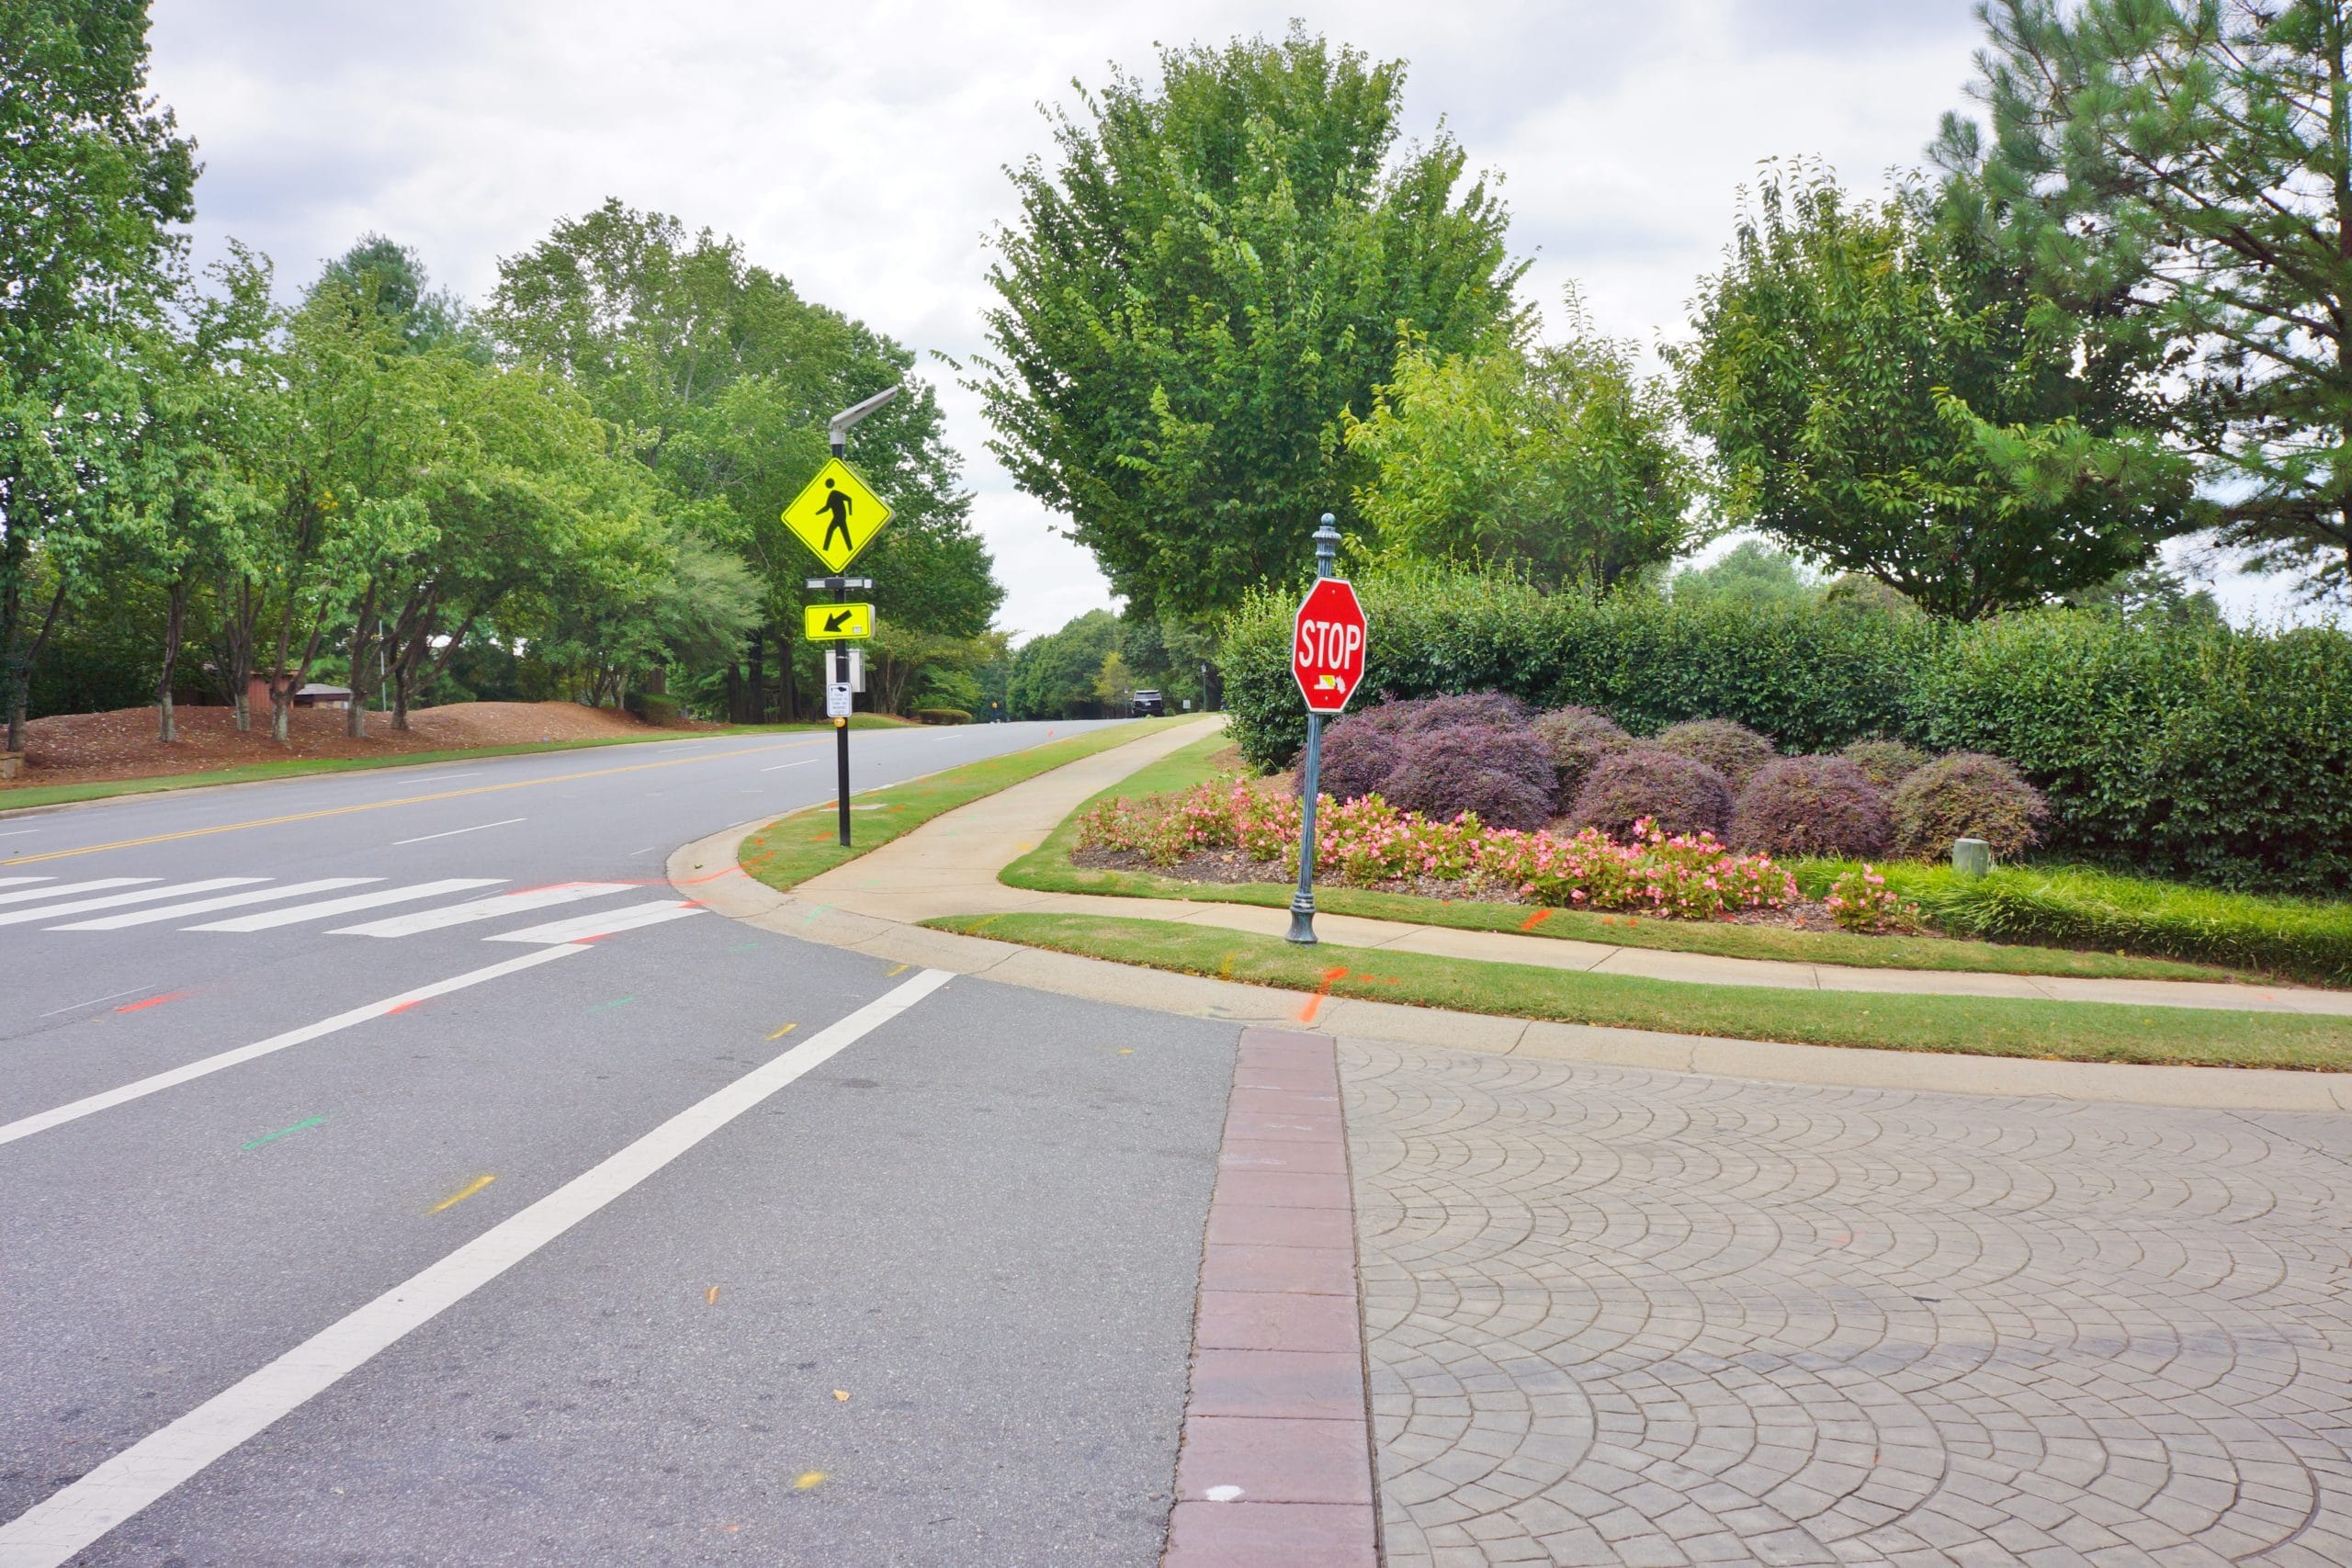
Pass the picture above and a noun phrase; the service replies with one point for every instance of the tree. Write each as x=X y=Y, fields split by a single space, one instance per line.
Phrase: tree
x=391 y=279
x=1886 y=392
x=1751 y=571
x=1561 y=460
x=93 y=181
x=2192 y=163
x=1209 y=276
x=1054 y=676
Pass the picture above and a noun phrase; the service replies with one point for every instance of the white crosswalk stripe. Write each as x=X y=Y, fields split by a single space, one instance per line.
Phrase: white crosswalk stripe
x=329 y=908
x=490 y=909
x=20 y=881
x=109 y=900
x=206 y=905
x=63 y=889
x=586 y=928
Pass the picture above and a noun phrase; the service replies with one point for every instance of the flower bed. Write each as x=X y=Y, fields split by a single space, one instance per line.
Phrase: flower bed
x=1369 y=843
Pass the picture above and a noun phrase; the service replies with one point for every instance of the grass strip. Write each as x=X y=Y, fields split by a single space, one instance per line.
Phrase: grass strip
x=1049 y=869
x=793 y=849
x=20 y=797
x=1980 y=1026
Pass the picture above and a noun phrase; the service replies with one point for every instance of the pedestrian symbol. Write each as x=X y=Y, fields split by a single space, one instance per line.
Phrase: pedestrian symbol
x=836 y=516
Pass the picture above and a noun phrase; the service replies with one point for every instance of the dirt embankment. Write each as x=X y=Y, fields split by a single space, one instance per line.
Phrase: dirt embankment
x=80 y=748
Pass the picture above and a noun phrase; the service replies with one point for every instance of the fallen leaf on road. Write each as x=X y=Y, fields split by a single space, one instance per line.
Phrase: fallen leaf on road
x=710 y=1297
x=841 y=1394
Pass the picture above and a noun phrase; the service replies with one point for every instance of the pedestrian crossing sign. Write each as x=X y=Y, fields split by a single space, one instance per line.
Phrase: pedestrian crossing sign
x=837 y=516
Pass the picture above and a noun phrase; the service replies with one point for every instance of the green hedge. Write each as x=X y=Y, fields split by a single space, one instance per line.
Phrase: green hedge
x=2194 y=752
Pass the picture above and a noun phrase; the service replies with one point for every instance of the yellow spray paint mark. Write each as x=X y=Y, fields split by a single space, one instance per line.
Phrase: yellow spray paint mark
x=784 y=1030
x=807 y=1480
x=710 y=1297
x=1126 y=1050
x=899 y=970
x=454 y=1199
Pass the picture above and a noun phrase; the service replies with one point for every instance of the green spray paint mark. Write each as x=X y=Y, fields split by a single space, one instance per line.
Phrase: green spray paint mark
x=621 y=1003
x=743 y=947
x=266 y=1137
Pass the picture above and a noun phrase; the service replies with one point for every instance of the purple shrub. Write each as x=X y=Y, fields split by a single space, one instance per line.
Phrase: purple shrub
x=1968 y=795
x=1358 y=756
x=1732 y=749
x=1886 y=764
x=1681 y=795
x=1812 y=806
x=1578 y=739
x=1502 y=773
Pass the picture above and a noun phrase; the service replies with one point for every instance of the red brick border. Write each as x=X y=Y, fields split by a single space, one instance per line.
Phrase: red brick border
x=1276 y=1466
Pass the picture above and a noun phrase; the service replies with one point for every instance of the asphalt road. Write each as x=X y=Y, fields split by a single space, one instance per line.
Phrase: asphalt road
x=588 y=1228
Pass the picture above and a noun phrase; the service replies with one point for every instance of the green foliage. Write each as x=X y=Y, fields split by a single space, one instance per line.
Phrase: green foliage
x=1751 y=570
x=1966 y=795
x=2186 y=177
x=391 y=280
x=1815 y=677
x=2192 y=750
x=1055 y=675
x=1562 y=461
x=1209 y=276
x=1884 y=391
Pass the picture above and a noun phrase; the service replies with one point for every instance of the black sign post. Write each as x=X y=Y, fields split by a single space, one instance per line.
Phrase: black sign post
x=837 y=657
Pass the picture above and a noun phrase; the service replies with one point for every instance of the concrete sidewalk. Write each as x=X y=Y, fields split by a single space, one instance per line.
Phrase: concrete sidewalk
x=950 y=866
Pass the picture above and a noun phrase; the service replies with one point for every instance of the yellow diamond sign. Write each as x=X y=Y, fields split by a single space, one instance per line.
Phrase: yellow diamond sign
x=836 y=516
x=836 y=622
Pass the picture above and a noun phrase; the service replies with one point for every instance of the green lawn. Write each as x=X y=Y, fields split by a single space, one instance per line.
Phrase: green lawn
x=793 y=849
x=1047 y=868
x=19 y=797
x=2083 y=1031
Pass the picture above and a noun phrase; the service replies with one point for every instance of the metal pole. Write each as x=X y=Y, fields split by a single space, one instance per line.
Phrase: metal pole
x=1310 y=784
x=836 y=657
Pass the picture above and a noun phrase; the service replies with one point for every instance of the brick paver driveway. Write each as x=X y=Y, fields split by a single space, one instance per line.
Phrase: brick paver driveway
x=1651 y=1319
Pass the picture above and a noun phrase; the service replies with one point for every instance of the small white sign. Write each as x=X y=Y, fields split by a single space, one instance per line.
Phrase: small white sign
x=837 y=700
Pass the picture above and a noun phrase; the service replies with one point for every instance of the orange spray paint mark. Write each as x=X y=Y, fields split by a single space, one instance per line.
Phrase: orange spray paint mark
x=152 y=1001
x=1535 y=919
x=1315 y=1003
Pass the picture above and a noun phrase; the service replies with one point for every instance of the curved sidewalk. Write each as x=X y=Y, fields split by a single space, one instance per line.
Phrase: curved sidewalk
x=948 y=867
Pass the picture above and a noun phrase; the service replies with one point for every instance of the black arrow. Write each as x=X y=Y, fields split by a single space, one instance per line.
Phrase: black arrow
x=839 y=619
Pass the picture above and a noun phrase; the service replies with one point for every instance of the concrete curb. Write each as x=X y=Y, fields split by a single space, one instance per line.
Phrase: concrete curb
x=705 y=870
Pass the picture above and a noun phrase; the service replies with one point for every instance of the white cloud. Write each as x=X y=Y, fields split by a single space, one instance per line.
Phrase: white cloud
x=859 y=149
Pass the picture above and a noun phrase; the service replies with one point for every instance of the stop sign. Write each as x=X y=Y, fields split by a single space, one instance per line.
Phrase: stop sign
x=1327 y=648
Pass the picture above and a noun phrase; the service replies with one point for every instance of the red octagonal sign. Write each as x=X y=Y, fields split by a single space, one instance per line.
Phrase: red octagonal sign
x=1326 y=646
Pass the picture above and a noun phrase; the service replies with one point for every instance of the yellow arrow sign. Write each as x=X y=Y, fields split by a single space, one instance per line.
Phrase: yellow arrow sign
x=836 y=622
x=836 y=516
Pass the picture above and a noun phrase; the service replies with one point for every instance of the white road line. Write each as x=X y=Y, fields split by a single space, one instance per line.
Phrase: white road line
x=67 y=1521
x=485 y=909
x=42 y=1122
x=20 y=881
x=144 y=895
x=94 y=1000
x=326 y=909
x=453 y=832
x=65 y=889
x=781 y=766
x=587 y=928
x=18 y=832
x=206 y=905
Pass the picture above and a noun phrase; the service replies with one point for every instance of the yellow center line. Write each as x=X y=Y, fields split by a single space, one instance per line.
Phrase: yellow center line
x=454 y=1199
x=404 y=800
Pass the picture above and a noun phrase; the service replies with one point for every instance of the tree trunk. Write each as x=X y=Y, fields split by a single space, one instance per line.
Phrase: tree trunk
x=281 y=710
x=788 y=674
x=174 y=629
x=759 y=675
x=20 y=670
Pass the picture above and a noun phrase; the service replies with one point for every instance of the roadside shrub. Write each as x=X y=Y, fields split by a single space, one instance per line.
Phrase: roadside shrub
x=1730 y=747
x=1358 y=756
x=653 y=707
x=1812 y=806
x=1967 y=795
x=1886 y=764
x=1503 y=775
x=1578 y=737
x=942 y=716
x=1862 y=901
x=1680 y=795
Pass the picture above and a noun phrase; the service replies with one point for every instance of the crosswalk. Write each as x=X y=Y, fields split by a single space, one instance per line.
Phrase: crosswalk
x=119 y=903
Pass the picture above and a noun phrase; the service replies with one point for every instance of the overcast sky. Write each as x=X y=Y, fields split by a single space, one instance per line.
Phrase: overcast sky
x=859 y=149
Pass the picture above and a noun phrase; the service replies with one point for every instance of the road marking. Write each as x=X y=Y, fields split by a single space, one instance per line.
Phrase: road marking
x=273 y=1138
x=606 y=922
x=94 y=1000
x=20 y=881
x=91 y=1105
x=781 y=766
x=784 y=1030
x=206 y=905
x=899 y=970
x=108 y=901
x=154 y=1002
x=427 y=837
x=332 y=907
x=18 y=832
x=54 y=1530
x=404 y=800
x=64 y=889
x=489 y=909
x=468 y=1191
